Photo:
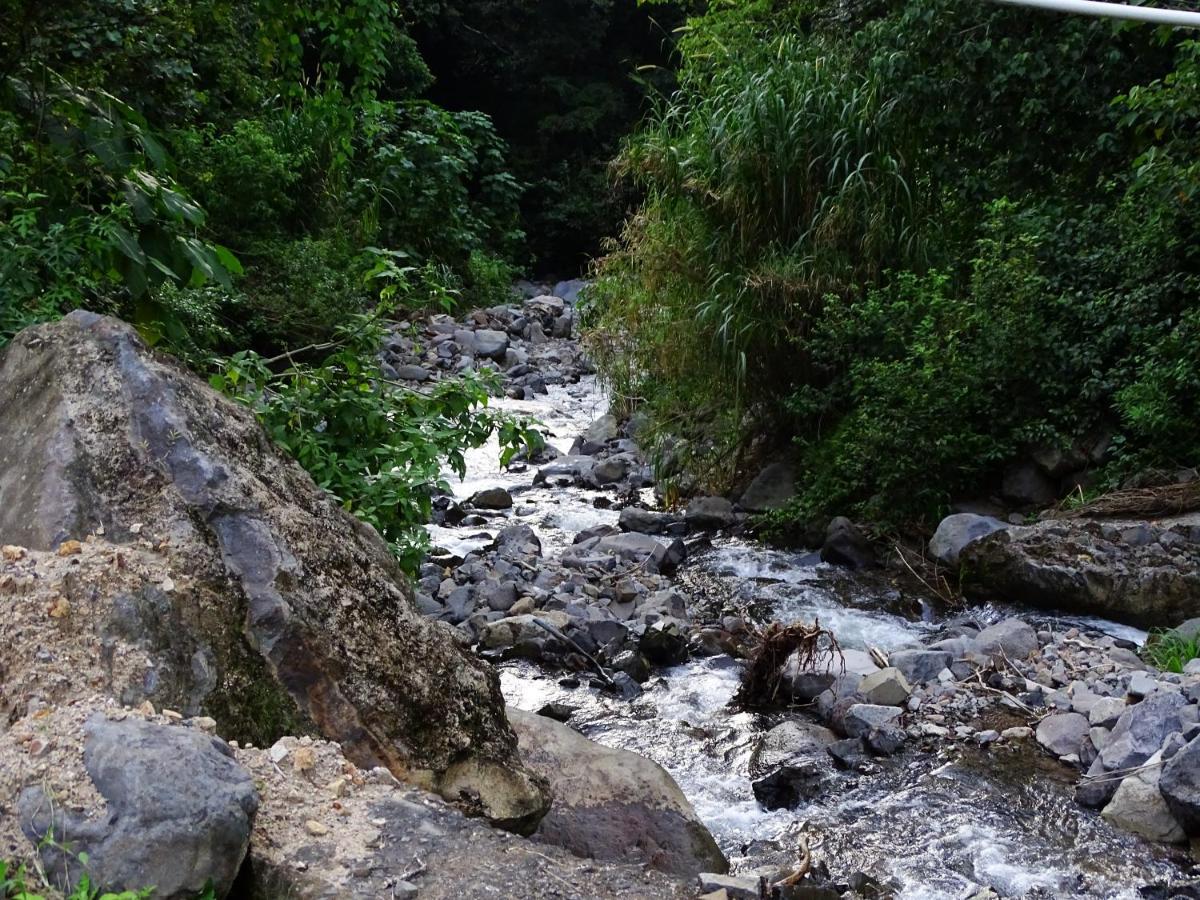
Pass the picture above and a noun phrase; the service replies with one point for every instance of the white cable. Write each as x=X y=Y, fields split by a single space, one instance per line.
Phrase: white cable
x=1152 y=14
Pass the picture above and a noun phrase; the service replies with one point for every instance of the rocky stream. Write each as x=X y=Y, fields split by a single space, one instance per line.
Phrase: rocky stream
x=215 y=679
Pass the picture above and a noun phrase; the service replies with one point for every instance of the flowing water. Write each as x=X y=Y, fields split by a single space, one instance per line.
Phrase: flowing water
x=942 y=823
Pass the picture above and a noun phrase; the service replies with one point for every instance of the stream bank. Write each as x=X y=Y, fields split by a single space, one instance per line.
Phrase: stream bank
x=952 y=794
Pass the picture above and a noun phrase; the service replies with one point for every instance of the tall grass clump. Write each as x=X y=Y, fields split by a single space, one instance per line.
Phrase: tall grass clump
x=777 y=181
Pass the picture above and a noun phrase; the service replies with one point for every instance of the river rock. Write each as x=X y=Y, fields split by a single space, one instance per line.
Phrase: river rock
x=665 y=643
x=956 y=532
x=709 y=513
x=846 y=545
x=1010 y=638
x=646 y=521
x=1025 y=485
x=1180 y=786
x=861 y=718
x=728 y=887
x=267 y=607
x=794 y=781
x=569 y=291
x=178 y=813
x=612 y=804
x=788 y=740
x=492 y=498
x=1087 y=567
x=1139 y=806
x=412 y=373
x=1062 y=733
x=886 y=687
x=1141 y=730
x=598 y=434
x=920 y=666
x=772 y=488
x=490 y=344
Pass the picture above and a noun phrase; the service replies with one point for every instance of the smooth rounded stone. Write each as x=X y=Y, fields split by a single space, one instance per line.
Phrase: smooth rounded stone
x=858 y=662
x=611 y=804
x=789 y=740
x=499 y=596
x=656 y=556
x=846 y=545
x=709 y=514
x=861 y=718
x=569 y=291
x=610 y=470
x=1012 y=638
x=957 y=531
x=986 y=737
x=1179 y=784
x=179 y=811
x=492 y=498
x=412 y=373
x=1141 y=729
x=1062 y=733
x=507 y=632
x=1106 y=711
x=920 y=666
x=771 y=488
x=886 y=687
x=1141 y=805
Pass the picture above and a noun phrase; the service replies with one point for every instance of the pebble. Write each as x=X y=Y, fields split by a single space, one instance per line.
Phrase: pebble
x=315 y=828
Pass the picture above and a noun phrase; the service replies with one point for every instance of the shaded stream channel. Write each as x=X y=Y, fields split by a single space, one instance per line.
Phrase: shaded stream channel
x=939 y=820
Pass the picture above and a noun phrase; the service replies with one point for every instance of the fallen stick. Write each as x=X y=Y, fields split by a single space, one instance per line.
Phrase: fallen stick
x=562 y=637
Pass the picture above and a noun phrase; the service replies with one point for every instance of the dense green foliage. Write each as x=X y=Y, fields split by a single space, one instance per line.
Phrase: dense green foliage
x=1170 y=651
x=244 y=178
x=917 y=241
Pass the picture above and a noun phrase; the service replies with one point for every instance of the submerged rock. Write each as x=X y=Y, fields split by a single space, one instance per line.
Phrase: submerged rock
x=270 y=608
x=613 y=804
x=846 y=545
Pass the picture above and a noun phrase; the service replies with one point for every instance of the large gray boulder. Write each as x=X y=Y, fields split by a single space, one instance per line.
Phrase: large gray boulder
x=1139 y=805
x=612 y=804
x=271 y=609
x=956 y=532
x=179 y=812
x=709 y=513
x=1010 y=638
x=1062 y=733
x=1146 y=575
x=1141 y=730
x=1180 y=786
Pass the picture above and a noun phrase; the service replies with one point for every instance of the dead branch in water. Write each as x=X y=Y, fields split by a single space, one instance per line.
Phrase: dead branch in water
x=815 y=647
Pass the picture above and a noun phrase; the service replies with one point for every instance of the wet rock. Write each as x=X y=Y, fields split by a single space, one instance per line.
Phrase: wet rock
x=789 y=740
x=852 y=755
x=846 y=545
x=886 y=687
x=646 y=521
x=797 y=780
x=808 y=685
x=598 y=434
x=1139 y=806
x=633 y=664
x=178 y=817
x=492 y=498
x=272 y=584
x=610 y=470
x=885 y=740
x=956 y=532
x=729 y=886
x=772 y=488
x=709 y=514
x=1179 y=784
x=1074 y=565
x=861 y=718
x=613 y=804
x=490 y=344
x=665 y=643
x=1062 y=733
x=412 y=373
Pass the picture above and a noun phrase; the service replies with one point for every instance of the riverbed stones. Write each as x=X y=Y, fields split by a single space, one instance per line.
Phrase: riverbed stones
x=647 y=521
x=861 y=718
x=956 y=532
x=267 y=607
x=920 y=666
x=886 y=687
x=1141 y=730
x=178 y=812
x=1139 y=806
x=1062 y=733
x=612 y=804
x=598 y=434
x=492 y=498
x=1180 y=786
